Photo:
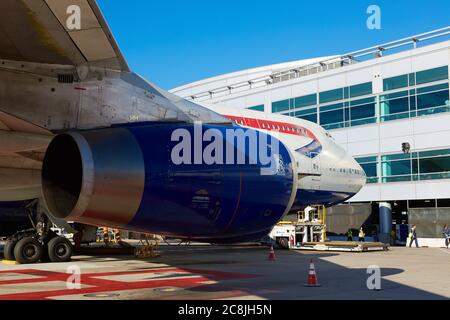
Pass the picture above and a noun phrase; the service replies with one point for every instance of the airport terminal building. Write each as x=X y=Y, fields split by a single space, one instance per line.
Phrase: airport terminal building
x=387 y=105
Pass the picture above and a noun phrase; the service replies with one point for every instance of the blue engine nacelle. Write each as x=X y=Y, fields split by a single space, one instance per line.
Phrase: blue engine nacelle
x=151 y=178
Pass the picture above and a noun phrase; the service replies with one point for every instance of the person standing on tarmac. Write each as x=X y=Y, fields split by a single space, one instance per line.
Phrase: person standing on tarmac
x=349 y=235
x=413 y=236
x=361 y=235
x=446 y=233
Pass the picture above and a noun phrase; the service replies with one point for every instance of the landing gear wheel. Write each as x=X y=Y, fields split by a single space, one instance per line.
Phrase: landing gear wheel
x=8 y=250
x=28 y=250
x=60 y=249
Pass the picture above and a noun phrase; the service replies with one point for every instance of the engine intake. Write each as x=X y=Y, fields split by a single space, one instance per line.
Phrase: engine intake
x=94 y=177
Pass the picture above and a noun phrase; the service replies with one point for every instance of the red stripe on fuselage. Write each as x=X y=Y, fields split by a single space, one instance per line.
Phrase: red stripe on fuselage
x=277 y=126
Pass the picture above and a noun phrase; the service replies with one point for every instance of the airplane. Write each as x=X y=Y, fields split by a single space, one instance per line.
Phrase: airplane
x=95 y=143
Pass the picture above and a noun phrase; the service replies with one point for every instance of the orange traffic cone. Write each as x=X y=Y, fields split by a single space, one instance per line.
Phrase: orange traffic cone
x=271 y=254
x=312 y=277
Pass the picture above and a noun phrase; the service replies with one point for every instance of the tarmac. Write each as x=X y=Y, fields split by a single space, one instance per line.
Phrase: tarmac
x=204 y=272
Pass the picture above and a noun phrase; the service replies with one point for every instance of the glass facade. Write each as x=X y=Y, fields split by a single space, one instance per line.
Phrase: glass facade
x=395 y=82
x=348 y=113
x=360 y=90
x=309 y=100
x=281 y=105
x=416 y=78
x=346 y=93
x=303 y=107
x=257 y=108
x=363 y=111
x=415 y=102
x=294 y=103
x=416 y=166
x=332 y=116
x=405 y=96
x=332 y=95
x=370 y=167
x=309 y=114
x=432 y=75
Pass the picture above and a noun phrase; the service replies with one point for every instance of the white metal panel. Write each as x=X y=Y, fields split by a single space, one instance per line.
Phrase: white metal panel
x=304 y=88
x=255 y=99
x=281 y=94
x=396 y=191
x=397 y=128
x=268 y=101
x=434 y=140
x=370 y=192
x=341 y=136
x=429 y=124
x=394 y=145
x=377 y=79
x=433 y=189
x=333 y=82
x=359 y=76
x=363 y=133
x=363 y=147
x=238 y=103
x=430 y=60
x=396 y=68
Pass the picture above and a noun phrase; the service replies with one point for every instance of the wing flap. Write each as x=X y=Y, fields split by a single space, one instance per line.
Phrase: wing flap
x=9 y=122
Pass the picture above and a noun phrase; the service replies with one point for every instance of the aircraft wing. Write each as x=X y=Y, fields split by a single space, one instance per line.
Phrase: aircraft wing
x=22 y=148
x=46 y=31
x=38 y=31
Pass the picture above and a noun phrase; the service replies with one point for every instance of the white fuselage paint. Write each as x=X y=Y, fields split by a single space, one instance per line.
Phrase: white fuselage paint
x=333 y=169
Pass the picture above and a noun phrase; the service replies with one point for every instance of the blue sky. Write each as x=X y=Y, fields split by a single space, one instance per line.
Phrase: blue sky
x=173 y=42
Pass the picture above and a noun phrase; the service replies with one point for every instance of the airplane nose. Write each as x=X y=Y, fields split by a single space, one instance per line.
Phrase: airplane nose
x=360 y=172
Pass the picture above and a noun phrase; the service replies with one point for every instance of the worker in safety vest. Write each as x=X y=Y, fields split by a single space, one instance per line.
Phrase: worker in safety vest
x=446 y=234
x=361 y=235
x=349 y=235
x=413 y=237
x=308 y=211
x=117 y=236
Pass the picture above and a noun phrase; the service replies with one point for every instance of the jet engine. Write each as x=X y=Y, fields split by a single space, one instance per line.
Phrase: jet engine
x=184 y=180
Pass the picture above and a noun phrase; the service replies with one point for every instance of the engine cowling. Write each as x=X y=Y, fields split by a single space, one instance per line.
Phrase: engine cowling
x=126 y=177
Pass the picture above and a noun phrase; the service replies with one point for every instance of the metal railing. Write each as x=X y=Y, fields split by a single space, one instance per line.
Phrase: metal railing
x=325 y=65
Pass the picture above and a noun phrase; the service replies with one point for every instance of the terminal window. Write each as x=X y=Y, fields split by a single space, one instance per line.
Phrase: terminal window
x=257 y=108
x=416 y=102
x=424 y=165
x=417 y=78
x=370 y=167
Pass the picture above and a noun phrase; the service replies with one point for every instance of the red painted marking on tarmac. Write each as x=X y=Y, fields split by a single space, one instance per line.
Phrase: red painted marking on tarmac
x=196 y=279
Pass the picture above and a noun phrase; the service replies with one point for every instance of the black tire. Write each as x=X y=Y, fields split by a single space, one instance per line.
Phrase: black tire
x=45 y=258
x=8 y=250
x=28 y=250
x=60 y=249
x=283 y=243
